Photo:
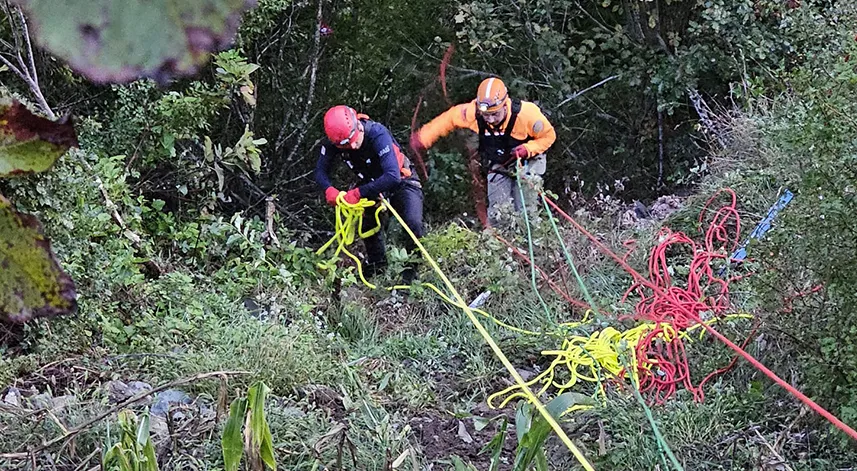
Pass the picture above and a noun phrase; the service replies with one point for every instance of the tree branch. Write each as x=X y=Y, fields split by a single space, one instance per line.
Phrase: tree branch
x=111 y=206
x=577 y=94
x=703 y=111
x=660 y=147
x=26 y=34
x=27 y=73
x=312 y=78
x=13 y=68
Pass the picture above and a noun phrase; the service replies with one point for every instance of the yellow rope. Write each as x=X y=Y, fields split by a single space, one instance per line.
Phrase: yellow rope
x=496 y=348
x=349 y=225
x=584 y=356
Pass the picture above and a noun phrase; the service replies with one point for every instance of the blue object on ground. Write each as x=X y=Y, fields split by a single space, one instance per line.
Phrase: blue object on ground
x=760 y=230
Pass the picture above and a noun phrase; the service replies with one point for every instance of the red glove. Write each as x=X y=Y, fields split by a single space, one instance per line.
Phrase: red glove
x=330 y=195
x=353 y=196
x=417 y=145
x=520 y=152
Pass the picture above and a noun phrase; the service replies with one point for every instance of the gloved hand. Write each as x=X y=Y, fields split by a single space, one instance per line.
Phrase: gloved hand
x=520 y=152
x=417 y=145
x=330 y=195
x=353 y=196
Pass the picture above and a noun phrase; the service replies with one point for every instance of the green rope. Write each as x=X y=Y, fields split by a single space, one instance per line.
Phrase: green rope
x=598 y=375
x=530 y=242
x=663 y=446
x=568 y=256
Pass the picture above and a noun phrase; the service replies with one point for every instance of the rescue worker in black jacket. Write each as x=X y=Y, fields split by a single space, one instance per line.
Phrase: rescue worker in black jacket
x=376 y=159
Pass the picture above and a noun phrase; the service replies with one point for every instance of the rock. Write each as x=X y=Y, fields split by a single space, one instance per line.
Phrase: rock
x=168 y=398
x=463 y=434
x=41 y=401
x=641 y=211
x=61 y=402
x=118 y=391
x=13 y=397
x=628 y=219
x=158 y=428
x=640 y=217
x=665 y=205
x=255 y=309
x=526 y=375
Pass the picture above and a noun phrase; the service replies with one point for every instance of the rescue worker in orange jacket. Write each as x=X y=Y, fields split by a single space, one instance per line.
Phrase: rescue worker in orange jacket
x=508 y=130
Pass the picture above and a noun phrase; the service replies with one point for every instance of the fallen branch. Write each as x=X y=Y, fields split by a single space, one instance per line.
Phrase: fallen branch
x=704 y=112
x=14 y=456
x=139 y=397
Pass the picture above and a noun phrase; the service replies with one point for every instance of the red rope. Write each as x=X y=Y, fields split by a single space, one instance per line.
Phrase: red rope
x=732 y=363
x=682 y=307
x=788 y=303
x=417 y=155
x=447 y=56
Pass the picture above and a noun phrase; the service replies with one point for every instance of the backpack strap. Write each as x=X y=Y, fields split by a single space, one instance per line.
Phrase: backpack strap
x=507 y=134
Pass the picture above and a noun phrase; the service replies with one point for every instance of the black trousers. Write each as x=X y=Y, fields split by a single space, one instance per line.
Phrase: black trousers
x=407 y=200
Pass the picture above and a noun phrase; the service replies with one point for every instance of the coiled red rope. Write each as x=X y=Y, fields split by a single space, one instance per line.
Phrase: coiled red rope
x=682 y=307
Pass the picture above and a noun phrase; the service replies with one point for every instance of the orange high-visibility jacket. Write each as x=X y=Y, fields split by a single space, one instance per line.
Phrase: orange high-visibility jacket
x=530 y=124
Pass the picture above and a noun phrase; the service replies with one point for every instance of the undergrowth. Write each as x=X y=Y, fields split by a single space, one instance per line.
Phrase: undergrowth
x=373 y=377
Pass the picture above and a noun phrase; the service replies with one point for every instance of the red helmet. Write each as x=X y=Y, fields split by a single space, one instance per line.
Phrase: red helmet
x=340 y=125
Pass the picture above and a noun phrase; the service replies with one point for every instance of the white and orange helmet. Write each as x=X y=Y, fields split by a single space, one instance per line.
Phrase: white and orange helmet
x=491 y=95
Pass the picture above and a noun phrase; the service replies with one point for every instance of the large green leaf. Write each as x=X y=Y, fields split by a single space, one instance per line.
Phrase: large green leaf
x=534 y=429
x=122 y=40
x=29 y=143
x=259 y=429
x=32 y=284
x=149 y=459
x=231 y=442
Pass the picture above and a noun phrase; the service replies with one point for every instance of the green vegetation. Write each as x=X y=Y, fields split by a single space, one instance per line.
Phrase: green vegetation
x=187 y=219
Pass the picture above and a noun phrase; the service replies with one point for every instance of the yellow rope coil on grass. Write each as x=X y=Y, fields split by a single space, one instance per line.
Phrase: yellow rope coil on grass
x=583 y=357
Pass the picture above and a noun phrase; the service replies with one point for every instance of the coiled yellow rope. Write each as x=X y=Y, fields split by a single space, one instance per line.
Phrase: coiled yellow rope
x=349 y=225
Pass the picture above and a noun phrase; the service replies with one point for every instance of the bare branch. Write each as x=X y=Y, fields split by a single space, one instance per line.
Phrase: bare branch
x=7 y=10
x=702 y=109
x=660 y=147
x=577 y=94
x=26 y=31
x=111 y=206
x=27 y=73
x=270 y=233
x=13 y=68
x=299 y=177
x=312 y=78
